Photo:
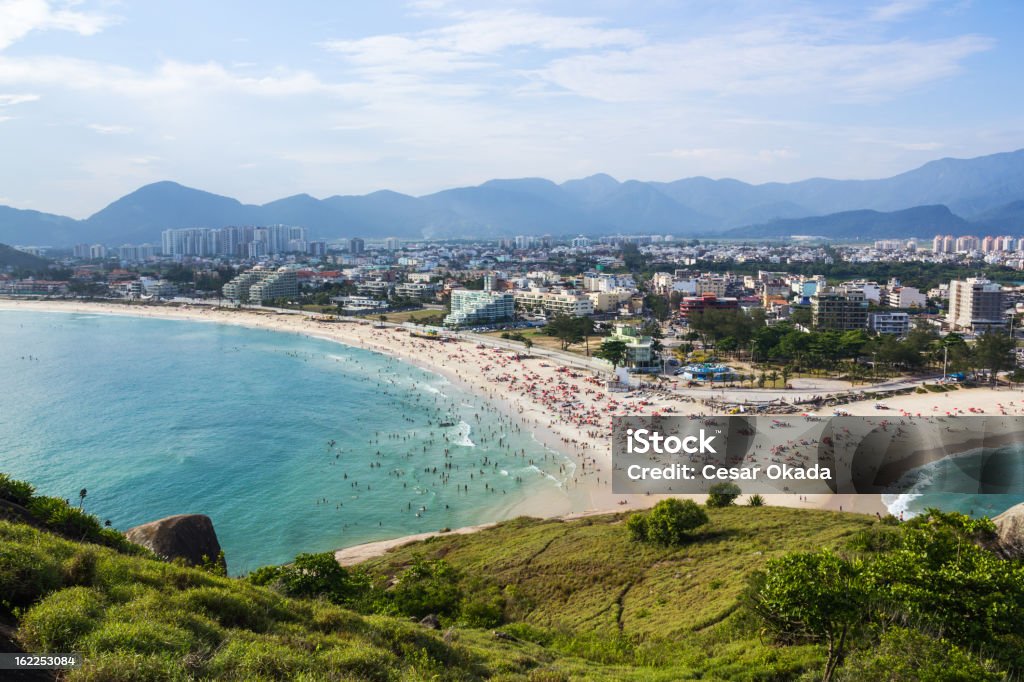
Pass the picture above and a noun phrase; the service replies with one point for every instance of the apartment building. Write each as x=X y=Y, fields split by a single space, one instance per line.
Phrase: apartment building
x=844 y=308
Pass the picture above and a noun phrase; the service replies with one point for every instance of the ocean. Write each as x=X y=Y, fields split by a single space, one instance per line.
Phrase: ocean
x=994 y=477
x=290 y=444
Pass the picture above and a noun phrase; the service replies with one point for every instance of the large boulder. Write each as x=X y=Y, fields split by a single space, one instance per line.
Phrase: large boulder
x=190 y=537
x=1010 y=529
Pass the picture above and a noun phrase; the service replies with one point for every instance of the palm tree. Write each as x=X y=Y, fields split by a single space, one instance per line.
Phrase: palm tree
x=773 y=377
x=81 y=497
x=383 y=319
x=528 y=342
x=787 y=373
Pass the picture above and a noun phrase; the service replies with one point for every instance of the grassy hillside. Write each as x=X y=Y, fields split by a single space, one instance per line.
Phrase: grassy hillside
x=140 y=619
x=751 y=593
x=585 y=589
x=585 y=601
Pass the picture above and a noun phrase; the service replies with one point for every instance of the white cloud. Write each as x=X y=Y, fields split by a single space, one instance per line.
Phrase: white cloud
x=110 y=129
x=474 y=39
x=11 y=100
x=761 y=62
x=170 y=77
x=898 y=9
x=18 y=18
x=920 y=146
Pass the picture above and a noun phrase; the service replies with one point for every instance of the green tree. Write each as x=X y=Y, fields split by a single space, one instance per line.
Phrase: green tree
x=810 y=597
x=668 y=523
x=567 y=330
x=658 y=305
x=723 y=494
x=614 y=351
x=755 y=501
x=313 y=576
x=994 y=353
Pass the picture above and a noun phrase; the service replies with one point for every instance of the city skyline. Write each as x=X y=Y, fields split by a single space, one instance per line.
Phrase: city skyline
x=98 y=98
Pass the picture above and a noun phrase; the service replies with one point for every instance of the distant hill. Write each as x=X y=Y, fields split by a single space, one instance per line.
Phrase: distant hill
x=32 y=228
x=141 y=215
x=987 y=191
x=920 y=221
x=12 y=258
x=1006 y=217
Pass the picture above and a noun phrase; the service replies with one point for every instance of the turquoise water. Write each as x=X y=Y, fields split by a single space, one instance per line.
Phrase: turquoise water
x=162 y=417
x=995 y=475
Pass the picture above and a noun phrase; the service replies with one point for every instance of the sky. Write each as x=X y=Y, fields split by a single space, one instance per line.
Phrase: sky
x=259 y=100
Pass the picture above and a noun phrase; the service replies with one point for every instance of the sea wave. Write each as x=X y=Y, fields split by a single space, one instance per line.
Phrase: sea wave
x=536 y=468
x=901 y=504
x=465 y=441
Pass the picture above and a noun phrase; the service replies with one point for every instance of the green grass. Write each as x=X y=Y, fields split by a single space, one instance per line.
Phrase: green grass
x=581 y=601
x=136 y=618
x=584 y=589
x=411 y=315
x=578 y=600
x=542 y=340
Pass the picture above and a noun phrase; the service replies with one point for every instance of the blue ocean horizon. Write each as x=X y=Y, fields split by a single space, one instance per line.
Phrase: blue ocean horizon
x=289 y=443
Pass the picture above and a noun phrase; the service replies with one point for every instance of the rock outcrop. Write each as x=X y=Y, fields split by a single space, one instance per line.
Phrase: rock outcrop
x=1010 y=529
x=190 y=537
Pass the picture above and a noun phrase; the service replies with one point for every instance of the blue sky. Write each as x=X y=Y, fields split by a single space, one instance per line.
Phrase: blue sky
x=260 y=100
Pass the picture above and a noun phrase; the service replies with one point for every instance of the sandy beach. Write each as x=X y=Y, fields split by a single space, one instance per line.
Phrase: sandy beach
x=567 y=409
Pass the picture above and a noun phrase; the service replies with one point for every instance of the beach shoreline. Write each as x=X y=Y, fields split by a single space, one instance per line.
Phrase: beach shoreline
x=565 y=408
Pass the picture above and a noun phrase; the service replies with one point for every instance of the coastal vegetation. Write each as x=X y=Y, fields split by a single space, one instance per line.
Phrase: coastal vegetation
x=738 y=593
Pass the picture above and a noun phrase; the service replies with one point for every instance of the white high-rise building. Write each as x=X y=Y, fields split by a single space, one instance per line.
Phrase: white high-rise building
x=480 y=307
x=976 y=304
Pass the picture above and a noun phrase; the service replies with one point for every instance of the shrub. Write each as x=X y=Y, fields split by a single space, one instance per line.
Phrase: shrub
x=482 y=607
x=18 y=492
x=905 y=655
x=80 y=568
x=878 y=538
x=242 y=659
x=669 y=522
x=59 y=621
x=26 y=575
x=723 y=494
x=755 y=501
x=637 y=526
x=230 y=607
x=428 y=587
x=315 y=575
x=140 y=636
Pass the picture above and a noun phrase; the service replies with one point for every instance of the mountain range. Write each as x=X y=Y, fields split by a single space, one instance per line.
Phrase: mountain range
x=946 y=195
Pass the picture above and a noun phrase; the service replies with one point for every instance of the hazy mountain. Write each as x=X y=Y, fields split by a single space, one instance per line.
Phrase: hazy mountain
x=920 y=221
x=640 y=207
x=32 y=228
x=141 y=215
x=591 y=189
x=387 y=214
x=1006 y=217
x=12 y=258
x=987 y=191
